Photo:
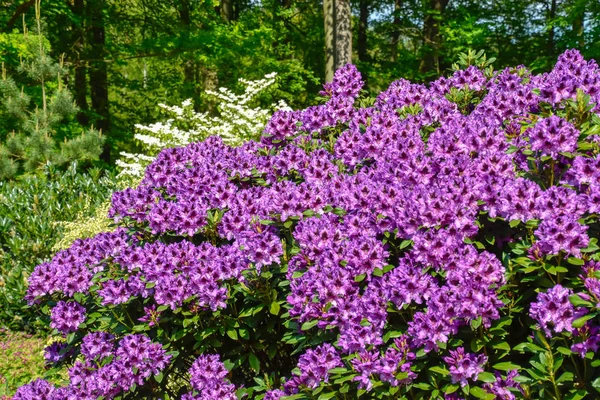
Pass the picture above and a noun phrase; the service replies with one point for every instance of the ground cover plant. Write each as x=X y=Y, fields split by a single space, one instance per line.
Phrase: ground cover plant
x=21 y=361
x=437 y=241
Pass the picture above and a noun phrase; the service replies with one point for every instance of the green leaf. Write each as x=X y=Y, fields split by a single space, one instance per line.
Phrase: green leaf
x=228 y=364
x=327 y=396
x=405 y=244
x=487 y=377
x=344 y=379
x=449 y=389
x=596 y=384
x=232 y=333
x=244 y=333
x=575 y=261
x=439 y=370
x=579 y=322
x=337 y=371
x=529 y=347
x=481 y=394
x=254 y=362
x=309 y=324
x=275 y=308
x=564 y=351
x=579 y=302
x=501 y=346
x=506 y=366
x=565 y=377
x=576 y=395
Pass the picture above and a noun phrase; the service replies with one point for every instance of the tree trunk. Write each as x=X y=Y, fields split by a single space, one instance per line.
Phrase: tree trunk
x=338 y=35
x=396 y=33
x=551 y=16
x=80 y=86
x=363 y=22
x=189 y=64
x=226 y=10
x=329 y=18
x=99 y=71
x=343 y=33
x=432 y=37
x=578 y=19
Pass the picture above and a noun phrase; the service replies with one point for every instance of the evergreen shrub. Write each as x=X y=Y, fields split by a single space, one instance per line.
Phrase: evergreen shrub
x=31 y=208
x=437 y=241
x=37 y=111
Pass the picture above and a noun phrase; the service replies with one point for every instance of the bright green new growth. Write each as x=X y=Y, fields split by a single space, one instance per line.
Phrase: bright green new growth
x=35 y=139
x=85 y=226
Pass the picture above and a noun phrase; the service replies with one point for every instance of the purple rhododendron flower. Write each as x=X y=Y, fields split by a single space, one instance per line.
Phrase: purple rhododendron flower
x=97 y=345
x=501 y=387
x=208 y=378
x=313 y=365
x=67 y=316
x=553 y=311
x=36 y=390
x=464 y=366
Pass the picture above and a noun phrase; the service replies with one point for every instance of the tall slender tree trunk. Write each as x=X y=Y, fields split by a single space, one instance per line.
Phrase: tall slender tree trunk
x=578 y=19
x=338 y=35
x=189 y=70
x=343 y=33
x=226 y=10
x=396 y=33
x=80 y=86
x=329 y=18
x=551 y=16
x=99 y=70
x=432 y=37
x=363 y=21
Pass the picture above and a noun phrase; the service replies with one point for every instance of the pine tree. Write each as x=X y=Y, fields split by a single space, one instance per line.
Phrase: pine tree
x=34 y=142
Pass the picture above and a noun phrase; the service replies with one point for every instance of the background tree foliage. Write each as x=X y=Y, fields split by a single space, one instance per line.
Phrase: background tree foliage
x=125 y=56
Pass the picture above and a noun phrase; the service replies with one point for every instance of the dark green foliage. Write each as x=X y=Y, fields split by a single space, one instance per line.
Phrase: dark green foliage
x=30 y=208
x=38 y=109
x=124 y=57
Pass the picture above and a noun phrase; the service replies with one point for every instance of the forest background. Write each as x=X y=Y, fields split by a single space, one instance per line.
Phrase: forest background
x=123 y=57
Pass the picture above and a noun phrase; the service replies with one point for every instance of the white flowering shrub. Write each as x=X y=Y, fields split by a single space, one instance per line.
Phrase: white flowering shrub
x=238 y=120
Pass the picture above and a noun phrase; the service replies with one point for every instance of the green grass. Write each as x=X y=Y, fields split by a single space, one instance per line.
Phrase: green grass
x=22 y=361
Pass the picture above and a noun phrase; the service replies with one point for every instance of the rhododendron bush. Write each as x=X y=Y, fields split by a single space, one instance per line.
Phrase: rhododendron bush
x=437 y=241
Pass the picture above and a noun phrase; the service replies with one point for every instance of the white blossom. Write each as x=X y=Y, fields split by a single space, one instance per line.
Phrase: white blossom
x=235 y=123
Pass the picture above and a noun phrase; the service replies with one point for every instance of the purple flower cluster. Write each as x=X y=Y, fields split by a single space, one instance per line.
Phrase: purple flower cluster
x=570 y=73
x=97 y=345
x=395 y=361
x=588 y=340
x=552 y=135
x=313 y=365
x=501 y=387
x=133 y=362
x=553 y=310
x=208 y=380
x=38 y=389
x=464 y=366
x=55 y=352
x=67 y=316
